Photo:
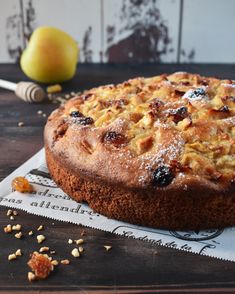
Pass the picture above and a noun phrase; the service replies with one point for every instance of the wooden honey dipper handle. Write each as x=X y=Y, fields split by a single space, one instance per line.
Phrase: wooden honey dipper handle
x=27 y=91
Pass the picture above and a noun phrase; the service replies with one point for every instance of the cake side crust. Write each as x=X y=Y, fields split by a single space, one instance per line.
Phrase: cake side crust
x=178 y=212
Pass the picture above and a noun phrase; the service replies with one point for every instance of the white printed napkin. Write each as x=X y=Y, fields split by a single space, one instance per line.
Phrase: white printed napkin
x=50 y=201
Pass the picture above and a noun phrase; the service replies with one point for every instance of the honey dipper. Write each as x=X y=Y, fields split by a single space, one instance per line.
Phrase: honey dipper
x=27 y=91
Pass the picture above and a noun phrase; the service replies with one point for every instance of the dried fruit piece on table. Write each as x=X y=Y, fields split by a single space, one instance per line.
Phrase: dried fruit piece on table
x=40 y=265
x=54 y=89
x=22 y=185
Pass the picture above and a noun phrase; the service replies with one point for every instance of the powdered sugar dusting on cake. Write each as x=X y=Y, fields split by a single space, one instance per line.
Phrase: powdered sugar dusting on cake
x=196 y=94
x=154 y=115
x=160 y=124
x=165 y=155
x=180 y=73
x=166 y=83
x=228 y=85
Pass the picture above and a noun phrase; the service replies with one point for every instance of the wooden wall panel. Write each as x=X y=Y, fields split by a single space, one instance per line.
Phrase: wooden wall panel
x=208 y=31
x=79 y=18
x=141 y=31
x=10 y=30
x=127 y=30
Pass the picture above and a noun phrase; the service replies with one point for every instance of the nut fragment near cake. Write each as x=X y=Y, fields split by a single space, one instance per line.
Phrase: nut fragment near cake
x=156 y=151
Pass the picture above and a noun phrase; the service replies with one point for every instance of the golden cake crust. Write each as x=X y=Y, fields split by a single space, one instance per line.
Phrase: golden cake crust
x=169 y=136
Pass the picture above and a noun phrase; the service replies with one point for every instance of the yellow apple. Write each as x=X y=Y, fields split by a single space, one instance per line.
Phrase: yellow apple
x=51 y=56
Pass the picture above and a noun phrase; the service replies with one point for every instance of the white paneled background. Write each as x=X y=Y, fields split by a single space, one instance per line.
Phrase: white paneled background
x=126 y=30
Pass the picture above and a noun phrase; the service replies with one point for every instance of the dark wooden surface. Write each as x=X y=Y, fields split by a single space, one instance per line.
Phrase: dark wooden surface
x=131 y=265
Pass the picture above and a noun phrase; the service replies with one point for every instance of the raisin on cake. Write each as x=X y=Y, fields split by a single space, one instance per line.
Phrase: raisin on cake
x=156 y=151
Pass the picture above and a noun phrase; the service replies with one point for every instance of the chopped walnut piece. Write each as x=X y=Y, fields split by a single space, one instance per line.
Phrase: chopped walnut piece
x=79 y=241
x=11 y=256
x=40 y=228
x=7 y=229
x=19 y=235
x=30 y=233
x=65 y=261
x=15 y=212
x=40 y=238
x=75 y=252
x=54 y=262
x=44 y=249
x=40 y=265
x=70 y=241
x=39 y=112
x=20 y=124
x=18 y=252
x=31 y=276
x=107 y=247
x=12 y=217
x=9 y=212
x=16 y=227
x=80 y=249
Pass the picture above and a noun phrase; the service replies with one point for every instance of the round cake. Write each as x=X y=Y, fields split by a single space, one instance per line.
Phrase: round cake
x=158 y=151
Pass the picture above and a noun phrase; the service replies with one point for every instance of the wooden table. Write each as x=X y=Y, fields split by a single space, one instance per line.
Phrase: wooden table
x=131 y=265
